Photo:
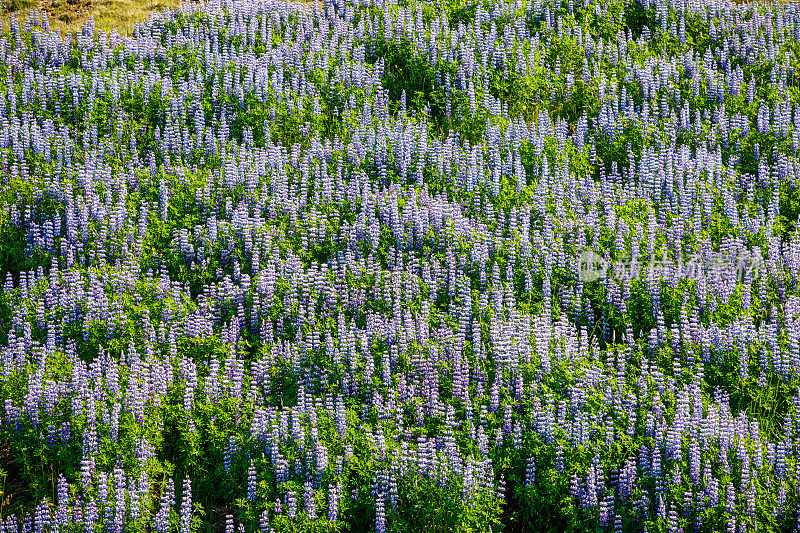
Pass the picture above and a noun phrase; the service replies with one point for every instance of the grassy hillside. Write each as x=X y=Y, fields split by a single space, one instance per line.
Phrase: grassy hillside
x=69 y=16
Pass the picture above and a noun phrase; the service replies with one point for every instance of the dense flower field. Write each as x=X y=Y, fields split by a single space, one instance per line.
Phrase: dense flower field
x=402 y=266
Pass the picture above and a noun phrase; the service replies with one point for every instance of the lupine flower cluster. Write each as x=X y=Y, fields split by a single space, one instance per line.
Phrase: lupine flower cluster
x=402 y=265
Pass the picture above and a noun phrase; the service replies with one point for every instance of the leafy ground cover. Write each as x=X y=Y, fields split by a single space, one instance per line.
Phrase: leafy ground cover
x=402 y=266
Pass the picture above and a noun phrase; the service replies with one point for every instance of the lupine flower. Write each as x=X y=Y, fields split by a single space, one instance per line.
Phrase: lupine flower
x=251 y=483
x=291 y=504
x=166 y=503
x=186 y=506
x=308 y=500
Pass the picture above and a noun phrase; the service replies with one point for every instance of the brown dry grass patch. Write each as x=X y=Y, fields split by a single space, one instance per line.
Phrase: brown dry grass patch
x=69 y=16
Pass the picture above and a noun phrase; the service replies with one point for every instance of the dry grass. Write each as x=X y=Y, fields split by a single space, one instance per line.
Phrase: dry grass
x=69 y=16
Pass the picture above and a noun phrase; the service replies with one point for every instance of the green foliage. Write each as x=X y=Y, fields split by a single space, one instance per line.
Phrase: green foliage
x=424 y=505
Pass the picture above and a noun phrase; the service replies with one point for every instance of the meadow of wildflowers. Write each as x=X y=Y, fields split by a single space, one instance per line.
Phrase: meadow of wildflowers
x=391 y=265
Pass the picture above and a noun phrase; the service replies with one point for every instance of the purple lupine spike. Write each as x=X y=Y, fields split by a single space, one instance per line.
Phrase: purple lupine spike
x=308 y=500
x=166 y=503
x=291 y=504
x=62 y=516
x=263 y=522
x=251 y=483
x=334 y=495
x=186 y=506
x=91 y=517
